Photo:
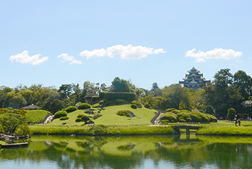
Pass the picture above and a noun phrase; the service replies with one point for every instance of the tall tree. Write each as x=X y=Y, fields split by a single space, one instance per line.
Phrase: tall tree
x=120 y=85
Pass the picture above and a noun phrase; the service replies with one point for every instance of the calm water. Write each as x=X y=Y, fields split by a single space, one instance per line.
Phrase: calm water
x=157 y=152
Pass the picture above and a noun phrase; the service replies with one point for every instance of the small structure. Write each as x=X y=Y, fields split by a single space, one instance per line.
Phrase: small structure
x=194 y=80
x=89 y=97
x=30 y=107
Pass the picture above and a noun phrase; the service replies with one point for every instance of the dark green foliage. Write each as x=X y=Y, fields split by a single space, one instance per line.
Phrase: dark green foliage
x=147 y=106
x=78 y=120
x=80 y=115
x=117 y=95
x=123 y=113
x=95 y=98
x=85 y=118
x=84 y=106
x=120 y=85
x=119 y=101
x=231 y=114
x=175 y=111
x=98 y=130
x=64 y=118
x=211 y=117
x=70 y=109
x=133 y=106
x=59 y=114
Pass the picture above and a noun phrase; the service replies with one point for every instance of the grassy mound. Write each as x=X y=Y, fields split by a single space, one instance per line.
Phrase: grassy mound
x=36 y=116
x=110 y=117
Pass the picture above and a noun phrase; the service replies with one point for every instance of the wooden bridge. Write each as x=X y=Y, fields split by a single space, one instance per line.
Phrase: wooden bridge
x=177 y=128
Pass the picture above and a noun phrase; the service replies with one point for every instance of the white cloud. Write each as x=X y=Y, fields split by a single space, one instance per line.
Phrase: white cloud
x=25 y=58
x=68 y=58
x=126 y=52
x=217 y=53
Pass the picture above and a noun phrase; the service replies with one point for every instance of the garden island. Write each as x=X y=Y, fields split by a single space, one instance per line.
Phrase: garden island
x=221 y=107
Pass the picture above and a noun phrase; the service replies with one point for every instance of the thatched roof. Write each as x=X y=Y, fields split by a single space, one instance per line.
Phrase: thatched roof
x=30 y=107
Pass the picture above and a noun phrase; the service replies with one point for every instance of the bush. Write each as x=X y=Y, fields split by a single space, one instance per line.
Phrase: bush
x=78 y=120
x=170 y=109
x=133 y=106
x=70 y=109
x=98 y=129
x=123 y=113
x=84 y=106
x=80 y=115
x=175 y=111
x=59 y=114
x=135 y=102
x=147 y=106
x=85 y=119
x=231 y=114
x=23 y=130
x=101 y=102
x=64 y=118
x=211 y=117
x=171 y=117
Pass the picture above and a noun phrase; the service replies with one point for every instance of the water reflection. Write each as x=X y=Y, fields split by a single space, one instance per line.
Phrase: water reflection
x=131 y=152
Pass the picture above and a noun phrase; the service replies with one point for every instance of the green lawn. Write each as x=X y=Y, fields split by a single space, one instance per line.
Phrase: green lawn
x=35 y=116
x=109 y=116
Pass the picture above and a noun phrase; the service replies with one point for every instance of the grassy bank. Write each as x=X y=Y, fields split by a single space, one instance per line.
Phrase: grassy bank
x=226 y=128
x=100 y=130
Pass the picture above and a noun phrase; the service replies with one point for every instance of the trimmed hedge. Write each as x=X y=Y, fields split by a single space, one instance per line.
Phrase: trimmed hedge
x=135 y=102
x=169 y=117
x=59 y=114
x=133 y=106
x=123 y=113
x=84 y=106
x=64 y=118
x=147 y=106
x=117 y=95
x=80 y=115
x=78 y=120
x=70 y=109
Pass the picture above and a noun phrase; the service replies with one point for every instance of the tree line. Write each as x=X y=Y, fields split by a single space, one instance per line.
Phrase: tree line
x=224 y=92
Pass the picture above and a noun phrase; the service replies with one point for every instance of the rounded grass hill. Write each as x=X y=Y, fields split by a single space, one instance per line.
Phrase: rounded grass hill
x=109 y=116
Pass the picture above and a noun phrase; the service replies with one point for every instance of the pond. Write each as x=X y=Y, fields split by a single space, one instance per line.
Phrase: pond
x=139 y=152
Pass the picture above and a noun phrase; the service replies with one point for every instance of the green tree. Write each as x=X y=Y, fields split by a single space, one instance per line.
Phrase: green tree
x=85 y=119
x=10 y=121
x=120 y=85
x=231 y=114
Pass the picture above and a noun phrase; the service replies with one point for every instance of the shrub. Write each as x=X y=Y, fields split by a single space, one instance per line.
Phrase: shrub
x=211 y=117
x=231 y=114
x=101 y=102
x=171 y=117
x=123 y=113
x=64 y=118
x=98 y=129
x=135 y=102
x=147 y=106
x=170 y=109
x=165 y=121
x=133 y=106
x=175 y=111
x=70 y=109
x=78 y=120
x=181 y=119
x=80 y=115
x=59 y=114
x=85 y=119
x=84 y=106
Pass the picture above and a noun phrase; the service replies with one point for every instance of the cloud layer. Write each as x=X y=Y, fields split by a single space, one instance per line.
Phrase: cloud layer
x=68 y=58
x=217 y=53
x=126 y=52
x=25 y=58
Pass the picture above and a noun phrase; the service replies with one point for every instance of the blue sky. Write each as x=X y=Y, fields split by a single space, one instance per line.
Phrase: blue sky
x=62 y=42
